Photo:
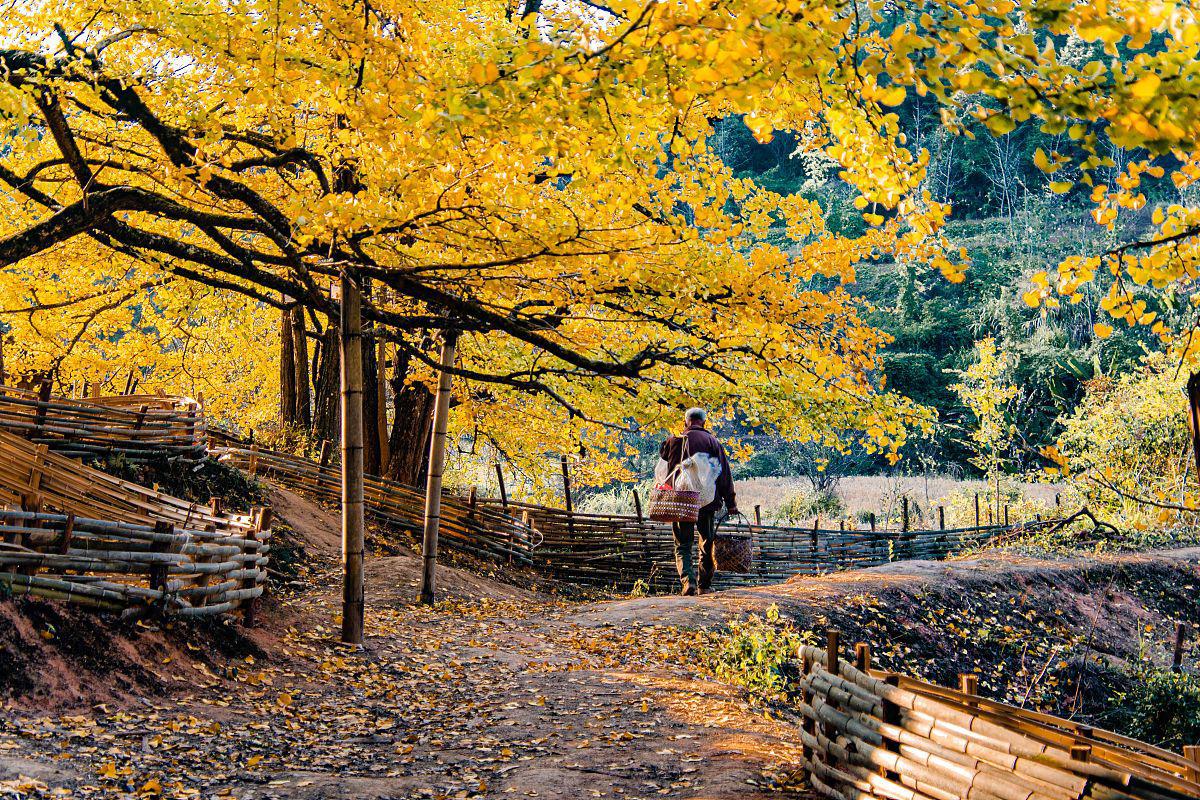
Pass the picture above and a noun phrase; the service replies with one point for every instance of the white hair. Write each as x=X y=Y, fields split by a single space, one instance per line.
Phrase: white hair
x=696 y=415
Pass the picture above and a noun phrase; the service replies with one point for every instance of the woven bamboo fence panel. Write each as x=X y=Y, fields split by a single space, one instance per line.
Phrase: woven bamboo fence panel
x=470 y=528
x=611 y=549
x=139 y=427
x=70 y=532
x=873 y=734
x=606 y=549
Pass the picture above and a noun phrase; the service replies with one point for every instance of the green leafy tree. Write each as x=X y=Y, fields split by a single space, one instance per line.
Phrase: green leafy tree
x=986 y=390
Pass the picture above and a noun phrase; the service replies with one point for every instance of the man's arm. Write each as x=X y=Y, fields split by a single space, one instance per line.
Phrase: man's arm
x=725 y=483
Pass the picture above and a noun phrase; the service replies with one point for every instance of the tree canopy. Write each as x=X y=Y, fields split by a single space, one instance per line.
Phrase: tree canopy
x=540 y=179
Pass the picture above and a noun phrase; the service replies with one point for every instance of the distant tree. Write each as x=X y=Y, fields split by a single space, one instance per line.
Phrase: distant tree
x=986 y=390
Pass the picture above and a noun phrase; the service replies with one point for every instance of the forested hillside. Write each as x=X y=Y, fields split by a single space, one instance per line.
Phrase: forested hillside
x=1011 y=220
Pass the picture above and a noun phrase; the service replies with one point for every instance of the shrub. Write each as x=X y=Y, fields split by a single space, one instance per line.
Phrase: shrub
x=758 y=653
x=1161 y=707
x=195 y=483
x=617 y=500
x=802 y=506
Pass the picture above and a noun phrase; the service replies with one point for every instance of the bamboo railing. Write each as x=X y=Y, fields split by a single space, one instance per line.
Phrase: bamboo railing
x=139 y=427
x=606 y=549
x=873 y=734
x=70 y=532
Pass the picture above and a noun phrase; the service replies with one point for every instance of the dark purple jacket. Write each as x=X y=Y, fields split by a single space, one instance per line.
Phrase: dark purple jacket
x=701 y=441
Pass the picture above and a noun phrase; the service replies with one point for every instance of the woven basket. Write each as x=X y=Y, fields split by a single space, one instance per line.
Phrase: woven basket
x=674 y=505
x=734 y=552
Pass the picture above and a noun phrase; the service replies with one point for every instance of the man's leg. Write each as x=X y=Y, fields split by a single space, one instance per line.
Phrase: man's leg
x=708 y=543
x=685 y=534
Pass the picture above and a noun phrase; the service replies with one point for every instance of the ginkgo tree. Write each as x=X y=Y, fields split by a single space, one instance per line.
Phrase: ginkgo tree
x=537 y=180
x=540 y=185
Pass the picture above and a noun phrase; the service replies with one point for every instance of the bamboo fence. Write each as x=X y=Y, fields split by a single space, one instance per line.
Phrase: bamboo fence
x=69 y=532
x=139 y=427
x=873 y=734
x=613 y=550
x=470 y=528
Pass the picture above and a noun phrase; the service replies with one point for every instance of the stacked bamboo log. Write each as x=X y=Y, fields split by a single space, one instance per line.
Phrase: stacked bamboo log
x=139 y=427
x=70 y=532
x=468 y=528
x=872 y=734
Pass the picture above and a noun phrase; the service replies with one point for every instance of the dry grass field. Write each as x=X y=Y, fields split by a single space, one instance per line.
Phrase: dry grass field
x=878 y=494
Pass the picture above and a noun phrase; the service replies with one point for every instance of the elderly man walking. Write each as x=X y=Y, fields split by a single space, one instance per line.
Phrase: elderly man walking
x=696 y=440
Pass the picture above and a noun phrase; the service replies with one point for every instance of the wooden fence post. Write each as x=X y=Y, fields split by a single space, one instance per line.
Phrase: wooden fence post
x=39 y=419
x=977 y=509
x=1006 y=515
x=807 y=723
x=758 y=515
x=904 y=514
x=941 y=518
x=1180 y=637
x=862 y=657
x=832 y=643
x=1192 y=753
x=566 y=476
x=871 y=517
x=353 y=511
x=637 y=507
x=437 y=465
x=891 y=716
x=1193 y=393
x=500 y=480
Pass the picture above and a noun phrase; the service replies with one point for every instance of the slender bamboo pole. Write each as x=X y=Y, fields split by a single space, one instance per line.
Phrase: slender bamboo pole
x=500 y=480
x=437 y=465
x=353 y=523
x=381 y=404
x=566 y=475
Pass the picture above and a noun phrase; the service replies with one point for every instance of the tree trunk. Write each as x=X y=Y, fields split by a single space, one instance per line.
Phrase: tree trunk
x=287 y=371
x=326 y=417
x=300 y=356
x=437 y=463
x=408 y=444
x=353 y=523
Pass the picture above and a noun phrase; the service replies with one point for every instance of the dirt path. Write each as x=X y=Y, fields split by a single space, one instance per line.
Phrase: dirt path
x=496 y=692
x=500 y=692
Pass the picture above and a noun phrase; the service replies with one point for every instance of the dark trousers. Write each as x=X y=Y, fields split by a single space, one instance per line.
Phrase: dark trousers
x=685 y=537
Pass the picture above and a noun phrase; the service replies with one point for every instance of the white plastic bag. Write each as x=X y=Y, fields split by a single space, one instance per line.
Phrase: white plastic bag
x=699 y=473
x=662 y=471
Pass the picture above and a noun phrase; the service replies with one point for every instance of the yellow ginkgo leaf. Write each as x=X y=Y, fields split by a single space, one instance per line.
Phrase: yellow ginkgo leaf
x=1101 y=330
x=1145 y=87
x=1061 y=187
x=999 y=124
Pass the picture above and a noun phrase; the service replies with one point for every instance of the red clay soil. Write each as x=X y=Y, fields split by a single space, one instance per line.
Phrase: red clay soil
x=498 y=691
